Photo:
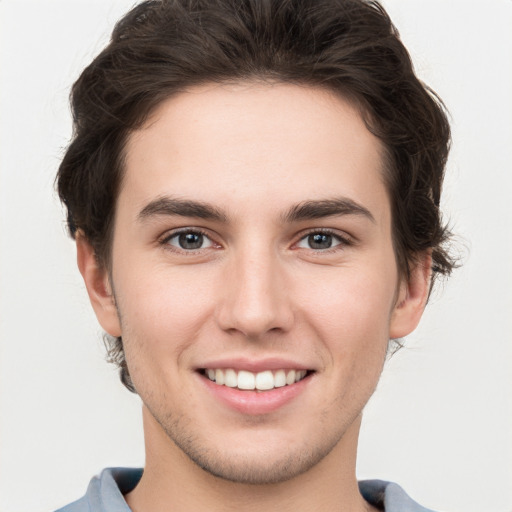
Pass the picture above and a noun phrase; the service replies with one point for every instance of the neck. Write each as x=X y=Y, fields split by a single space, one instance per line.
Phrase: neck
x=172 y=481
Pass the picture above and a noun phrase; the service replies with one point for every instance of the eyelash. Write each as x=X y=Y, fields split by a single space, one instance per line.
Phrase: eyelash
x=343 y=241
x=165 y=241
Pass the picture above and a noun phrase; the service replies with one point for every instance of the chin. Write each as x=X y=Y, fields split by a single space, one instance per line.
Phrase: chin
x=257 y=469
x=264 y=459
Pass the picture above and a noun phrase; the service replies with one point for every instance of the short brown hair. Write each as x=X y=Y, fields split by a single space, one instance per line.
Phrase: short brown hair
x=351 y=47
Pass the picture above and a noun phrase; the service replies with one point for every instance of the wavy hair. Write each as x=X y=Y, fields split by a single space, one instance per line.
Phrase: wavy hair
x=351 y=47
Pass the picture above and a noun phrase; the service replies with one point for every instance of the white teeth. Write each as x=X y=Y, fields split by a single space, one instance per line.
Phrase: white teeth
x=262 y=381
x=299 y=375
x=280 y=379
x=230 y=378
x=219 y=376
x=246 y=380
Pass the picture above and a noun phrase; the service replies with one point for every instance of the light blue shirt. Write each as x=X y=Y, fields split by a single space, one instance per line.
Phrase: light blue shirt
x=105 y=494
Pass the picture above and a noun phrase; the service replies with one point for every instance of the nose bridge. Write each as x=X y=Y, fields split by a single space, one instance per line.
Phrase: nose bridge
x=255 y=301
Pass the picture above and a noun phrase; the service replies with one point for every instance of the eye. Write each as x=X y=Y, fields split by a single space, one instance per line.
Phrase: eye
x=320 y=241
x=189 y=240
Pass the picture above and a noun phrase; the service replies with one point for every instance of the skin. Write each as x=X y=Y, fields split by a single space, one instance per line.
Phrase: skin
x=256 y=289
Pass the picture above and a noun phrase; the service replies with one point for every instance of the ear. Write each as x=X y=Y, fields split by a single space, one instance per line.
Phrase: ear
x=98 y=286
x=412 y=298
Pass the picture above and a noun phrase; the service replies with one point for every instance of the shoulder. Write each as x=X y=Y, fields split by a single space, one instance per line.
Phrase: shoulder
x=389 y=497
x=106 y=490
x=80 y=505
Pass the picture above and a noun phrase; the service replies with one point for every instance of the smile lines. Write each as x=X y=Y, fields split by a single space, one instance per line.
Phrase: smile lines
x=261 y=381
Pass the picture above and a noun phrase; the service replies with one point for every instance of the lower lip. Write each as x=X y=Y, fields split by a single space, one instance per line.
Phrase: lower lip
x=255 y=402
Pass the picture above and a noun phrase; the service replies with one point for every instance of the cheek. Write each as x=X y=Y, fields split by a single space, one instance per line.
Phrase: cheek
x=354 y=295
x=161 y=310
x=352 y=321
x=352 y=313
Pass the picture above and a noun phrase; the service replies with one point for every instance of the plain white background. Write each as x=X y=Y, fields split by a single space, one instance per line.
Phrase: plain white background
x=441 y=421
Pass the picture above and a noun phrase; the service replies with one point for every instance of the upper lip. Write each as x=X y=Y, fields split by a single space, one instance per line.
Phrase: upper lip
x=254 y=365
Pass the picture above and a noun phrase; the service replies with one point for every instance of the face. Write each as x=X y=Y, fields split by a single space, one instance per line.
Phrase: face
x=254 y=277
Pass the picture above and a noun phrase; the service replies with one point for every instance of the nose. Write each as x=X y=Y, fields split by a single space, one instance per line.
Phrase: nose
x=255 y=298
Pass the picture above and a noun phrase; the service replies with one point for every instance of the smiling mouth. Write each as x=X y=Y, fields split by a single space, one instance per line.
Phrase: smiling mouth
x=249 y=381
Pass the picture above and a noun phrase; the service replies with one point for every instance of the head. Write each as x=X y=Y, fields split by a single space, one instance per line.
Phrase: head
x=347 y=48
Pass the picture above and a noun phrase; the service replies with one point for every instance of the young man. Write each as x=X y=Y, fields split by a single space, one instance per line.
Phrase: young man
x=254 y=191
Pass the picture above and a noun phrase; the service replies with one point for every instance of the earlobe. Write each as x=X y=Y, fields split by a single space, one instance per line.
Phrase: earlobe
x=98 y=286
x=412 y=298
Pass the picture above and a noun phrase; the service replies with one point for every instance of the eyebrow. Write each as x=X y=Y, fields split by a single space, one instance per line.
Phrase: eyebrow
x=181 y=207
x=306 y=210
x=310 y=210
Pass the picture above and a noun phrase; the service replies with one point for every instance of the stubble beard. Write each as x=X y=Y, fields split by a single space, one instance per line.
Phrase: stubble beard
x=237 y=467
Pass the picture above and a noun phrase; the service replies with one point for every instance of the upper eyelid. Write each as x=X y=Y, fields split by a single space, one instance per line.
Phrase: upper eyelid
x=185 y=229
x=342 y=235
x=168 y=235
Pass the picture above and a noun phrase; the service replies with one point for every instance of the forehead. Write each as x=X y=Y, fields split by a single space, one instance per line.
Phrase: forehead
x=233 y=144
